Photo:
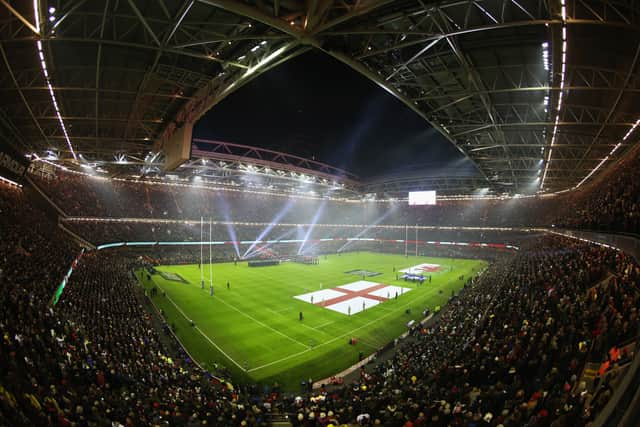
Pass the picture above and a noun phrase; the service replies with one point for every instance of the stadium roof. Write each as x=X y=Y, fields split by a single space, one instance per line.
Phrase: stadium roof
x=534 y=93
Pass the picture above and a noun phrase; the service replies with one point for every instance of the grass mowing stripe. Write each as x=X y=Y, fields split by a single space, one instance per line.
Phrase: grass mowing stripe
x=200 y=331
x=174 y=334
x=259 y=322
x=315 y=329
x=268 y=296
x=334 y=339
x=325 y=324
x=369 y=345
x=176 y=305
x=219 y=349
x=301 y=324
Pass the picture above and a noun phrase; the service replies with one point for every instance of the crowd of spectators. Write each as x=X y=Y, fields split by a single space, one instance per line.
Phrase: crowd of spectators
x=508 y=350
x=28 y=237
x=79 y=195
x=100 y=232
x=97 y=357
x=610 y=203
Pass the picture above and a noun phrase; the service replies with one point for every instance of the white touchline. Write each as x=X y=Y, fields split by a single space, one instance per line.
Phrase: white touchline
x=336 y=338
x=176 y=336
x=315 y=328
x=219 y=349
x=294 y=354
x=368 y=345
x=301 y=324
x=259 y=322
x=202 y=333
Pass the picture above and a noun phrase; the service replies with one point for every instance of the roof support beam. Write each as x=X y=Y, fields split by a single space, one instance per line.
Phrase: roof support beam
x=443 y=34
x=144 y=22
x=359 y=67
x=472 y=74
x=413 y=58
x=230 y=39
x=93 y=89
x=464 y=96
x=355 y=12
x=183 y=13
x=68 y=13
x=539 y=124
x=185 y=52
x=614 y=106
x=22 y=19
x=252 y=13
x=98 y=61
x=177 y=20
x=24 y=100
x=91 y=118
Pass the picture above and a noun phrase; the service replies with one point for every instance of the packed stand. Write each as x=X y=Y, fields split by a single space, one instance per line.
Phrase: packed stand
x=509 y=349
x=610 y=203
x=84 y=196
x=100 y=232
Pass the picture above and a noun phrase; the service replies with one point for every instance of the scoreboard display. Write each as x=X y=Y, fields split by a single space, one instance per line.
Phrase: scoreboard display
x=419 y=198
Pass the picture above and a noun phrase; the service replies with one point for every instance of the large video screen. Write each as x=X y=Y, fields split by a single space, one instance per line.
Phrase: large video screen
x=418 y=198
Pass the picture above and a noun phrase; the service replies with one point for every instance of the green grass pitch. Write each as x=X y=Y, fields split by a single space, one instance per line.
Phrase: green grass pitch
x=253 y=328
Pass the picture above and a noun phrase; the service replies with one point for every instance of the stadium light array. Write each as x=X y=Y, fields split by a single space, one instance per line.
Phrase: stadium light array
x=563 y=72
x=45 y=72
x=295 y=193
x=545 y=56
x=608 y=156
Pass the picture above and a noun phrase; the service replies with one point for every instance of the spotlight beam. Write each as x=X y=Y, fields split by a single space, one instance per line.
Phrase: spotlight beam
x=368 y=227
x=277 y=239
x=309 y=249
x=227 y=217
x=315 y=219
x=287 y=207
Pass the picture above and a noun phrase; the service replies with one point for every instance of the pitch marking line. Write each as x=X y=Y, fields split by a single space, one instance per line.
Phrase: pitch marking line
x=278 y=312
x=200 y=331
x=273 y=311
x=361 y=341
x=219 y=349
x=339 y=337
x=301 y=324
x=172 y=333
x=325 y=324
x=259 y=322
x=315 y=329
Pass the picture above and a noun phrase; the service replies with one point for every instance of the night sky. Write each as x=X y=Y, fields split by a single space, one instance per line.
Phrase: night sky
x=315 y=107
